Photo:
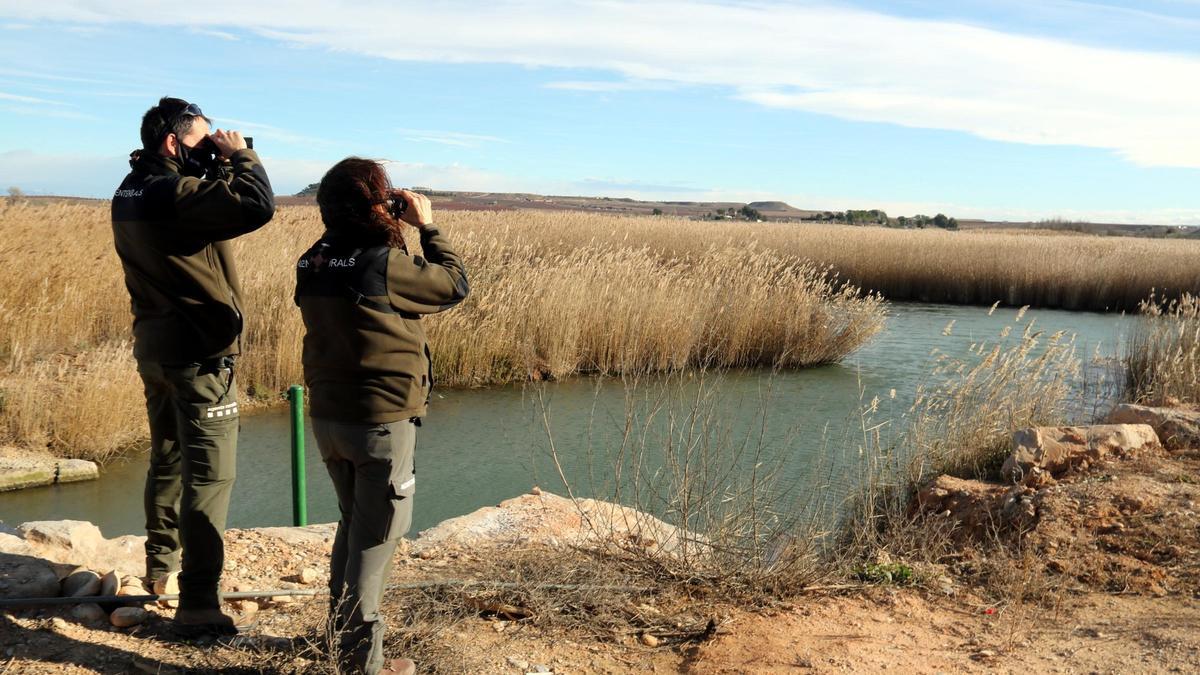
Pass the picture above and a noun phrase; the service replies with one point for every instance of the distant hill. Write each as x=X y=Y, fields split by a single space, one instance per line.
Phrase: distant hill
x=772 y=206
x=775 y=211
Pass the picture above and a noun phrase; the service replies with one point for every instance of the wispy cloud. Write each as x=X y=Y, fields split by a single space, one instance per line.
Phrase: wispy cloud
x=271 y=132
x=454 y=138
x=223 y=35
x=5 y=96
x=39 y=111
x=40 y=107
x=808 y=56
x=35 y=75
x=611 y=85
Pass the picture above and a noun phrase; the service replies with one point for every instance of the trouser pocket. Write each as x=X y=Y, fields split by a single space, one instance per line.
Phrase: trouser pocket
x=394 y=446
x=402 y=486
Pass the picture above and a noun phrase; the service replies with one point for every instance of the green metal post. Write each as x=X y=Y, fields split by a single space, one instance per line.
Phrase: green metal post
x=299 y=500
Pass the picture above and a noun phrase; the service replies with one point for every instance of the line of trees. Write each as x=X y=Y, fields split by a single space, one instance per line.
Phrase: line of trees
x=879 y=217
x=940 y=220
x=745 y=213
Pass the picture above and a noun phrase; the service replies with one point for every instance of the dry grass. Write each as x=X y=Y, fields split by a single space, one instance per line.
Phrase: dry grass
x=960 y=424
x=1016 y=269
x=1162 y=361
x=979 y=267
x=552 y=295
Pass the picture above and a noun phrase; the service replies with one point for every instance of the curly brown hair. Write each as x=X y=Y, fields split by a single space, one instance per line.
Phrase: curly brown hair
x=348 y=196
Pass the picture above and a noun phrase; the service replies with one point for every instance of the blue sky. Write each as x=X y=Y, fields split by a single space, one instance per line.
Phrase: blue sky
x=1005 y=110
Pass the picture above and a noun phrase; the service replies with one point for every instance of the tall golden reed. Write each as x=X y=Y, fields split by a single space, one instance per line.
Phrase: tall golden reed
x=980 y=267
x=553 y=294
x=1162 y=359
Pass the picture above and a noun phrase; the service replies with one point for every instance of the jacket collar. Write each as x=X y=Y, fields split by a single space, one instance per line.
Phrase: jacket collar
x=143 y=161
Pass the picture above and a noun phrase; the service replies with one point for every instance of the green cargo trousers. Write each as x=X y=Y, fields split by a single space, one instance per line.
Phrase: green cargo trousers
x=193 y=414
x=371 y=466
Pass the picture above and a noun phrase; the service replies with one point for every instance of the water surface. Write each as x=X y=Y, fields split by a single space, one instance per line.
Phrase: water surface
x=479 y=447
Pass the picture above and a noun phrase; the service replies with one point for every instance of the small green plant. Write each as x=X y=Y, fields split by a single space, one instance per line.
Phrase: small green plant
x=897 y=574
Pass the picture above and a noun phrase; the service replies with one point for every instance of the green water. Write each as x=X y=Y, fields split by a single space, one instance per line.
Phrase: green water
x=479 y=447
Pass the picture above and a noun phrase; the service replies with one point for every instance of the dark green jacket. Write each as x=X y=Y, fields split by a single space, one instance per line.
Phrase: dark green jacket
x=172 y=234
x=366 y=360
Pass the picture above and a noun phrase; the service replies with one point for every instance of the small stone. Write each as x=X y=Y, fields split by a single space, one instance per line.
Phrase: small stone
x=539 y=668
x=59 y=624
x=499 y=626
x=167 y=585
x=536 y=491
x=110 y=583
x=309 y=576
x=649 y=640
x=89 y=612
x=246 y=607
x=519 y=664
x=946 y=585
x=131 y=590
x=124 y=617
x=81 y=584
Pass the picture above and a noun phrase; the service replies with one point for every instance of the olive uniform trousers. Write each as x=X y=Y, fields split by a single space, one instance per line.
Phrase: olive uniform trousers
x=193 y=414
x=371 y=466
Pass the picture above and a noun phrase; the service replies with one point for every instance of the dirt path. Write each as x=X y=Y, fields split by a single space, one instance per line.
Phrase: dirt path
x=900 y=630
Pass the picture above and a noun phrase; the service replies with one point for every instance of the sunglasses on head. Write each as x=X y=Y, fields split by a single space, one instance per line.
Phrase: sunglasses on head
x=192 y=110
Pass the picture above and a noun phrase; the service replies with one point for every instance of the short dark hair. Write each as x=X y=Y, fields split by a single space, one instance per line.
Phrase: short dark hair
x=347 y=197
x=163 y=119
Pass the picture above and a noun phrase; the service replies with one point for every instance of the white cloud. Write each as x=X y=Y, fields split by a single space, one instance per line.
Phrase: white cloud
x=223 y=35
x=4 y=96
x=454 y=138
x=269 y=132
x=610 y=85
x=814 y=57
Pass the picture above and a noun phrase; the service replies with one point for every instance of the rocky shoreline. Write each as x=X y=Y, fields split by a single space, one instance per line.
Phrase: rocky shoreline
x=73 y=559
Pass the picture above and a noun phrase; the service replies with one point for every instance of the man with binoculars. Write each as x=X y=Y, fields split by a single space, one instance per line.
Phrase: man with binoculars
x=188 y=194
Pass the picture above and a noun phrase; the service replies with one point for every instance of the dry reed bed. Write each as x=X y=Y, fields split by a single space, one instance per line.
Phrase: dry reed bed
x=1162 y=363
x=552 y=295
x=980 y=267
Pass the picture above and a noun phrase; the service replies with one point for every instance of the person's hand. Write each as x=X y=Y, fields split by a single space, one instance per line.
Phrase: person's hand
x=228 y=142
x=419 y=211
